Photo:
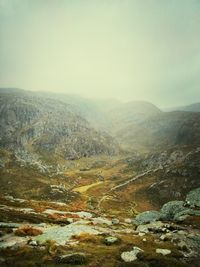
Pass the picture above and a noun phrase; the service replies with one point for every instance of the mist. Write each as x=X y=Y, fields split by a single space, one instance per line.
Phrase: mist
x=129 y=50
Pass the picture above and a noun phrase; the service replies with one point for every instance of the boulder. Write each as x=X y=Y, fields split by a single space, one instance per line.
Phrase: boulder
x=193 y=198
x=147 y=217
x=129 y=256
x=73 y=259
x=170 y=210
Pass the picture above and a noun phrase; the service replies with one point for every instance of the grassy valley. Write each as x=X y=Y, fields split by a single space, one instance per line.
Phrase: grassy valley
x=73 y=193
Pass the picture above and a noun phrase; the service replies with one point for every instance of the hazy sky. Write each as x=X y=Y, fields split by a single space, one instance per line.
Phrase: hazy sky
x=128 y=49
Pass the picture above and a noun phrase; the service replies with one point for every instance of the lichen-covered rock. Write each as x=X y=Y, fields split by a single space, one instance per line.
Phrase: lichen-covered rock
x=129 y=256
x=170 y=210
x=193 y=198
x=147 y=217
x=181 y=216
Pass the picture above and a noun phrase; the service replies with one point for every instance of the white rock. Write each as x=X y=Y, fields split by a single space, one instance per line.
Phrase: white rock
x=101 y=220
x=115 y=221
x=166 y=237
x=128 y=220
x=33 y=243
x=162 y=251
x=129 y=256
x=141 y=234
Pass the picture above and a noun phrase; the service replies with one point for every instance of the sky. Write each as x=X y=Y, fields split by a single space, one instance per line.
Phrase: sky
x=125 y=49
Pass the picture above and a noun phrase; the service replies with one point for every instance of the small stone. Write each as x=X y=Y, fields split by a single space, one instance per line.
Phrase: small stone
x=162 y=251
x=110 y=240
x=144 y=239
x=166 y=237
x=141 y=234
x=128 y=220
x=33 y=243
x=115 y=221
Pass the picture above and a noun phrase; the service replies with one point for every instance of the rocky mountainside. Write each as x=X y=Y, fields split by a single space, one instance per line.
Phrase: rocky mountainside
x=44 y=126
x=137 y=125
x=162 y=130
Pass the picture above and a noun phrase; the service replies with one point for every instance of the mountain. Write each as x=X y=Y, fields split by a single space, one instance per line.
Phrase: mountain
x=162 y=130
x=43 y=126
x=135 y=125
x=195 y=107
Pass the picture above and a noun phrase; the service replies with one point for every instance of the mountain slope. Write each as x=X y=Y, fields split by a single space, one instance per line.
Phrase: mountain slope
x=162 y=130
x=195 y=107
x=44 y=126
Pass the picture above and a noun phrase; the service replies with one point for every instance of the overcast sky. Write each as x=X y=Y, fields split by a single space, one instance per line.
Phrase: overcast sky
x=128 y=49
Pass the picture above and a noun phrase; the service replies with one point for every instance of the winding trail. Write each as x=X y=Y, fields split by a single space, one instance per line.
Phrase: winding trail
x=109 y=196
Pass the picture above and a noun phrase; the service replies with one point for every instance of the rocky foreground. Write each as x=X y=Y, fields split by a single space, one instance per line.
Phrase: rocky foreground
x=52 y=235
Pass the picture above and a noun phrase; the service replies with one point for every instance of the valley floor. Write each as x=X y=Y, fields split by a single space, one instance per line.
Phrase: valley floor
x=84 y=216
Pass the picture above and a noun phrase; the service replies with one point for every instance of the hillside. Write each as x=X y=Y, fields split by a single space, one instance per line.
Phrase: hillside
x=162 y=130
x=44 y=126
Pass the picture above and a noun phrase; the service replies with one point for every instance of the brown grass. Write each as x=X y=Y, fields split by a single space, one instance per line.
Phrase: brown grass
x=85 y=237
x=28 y=230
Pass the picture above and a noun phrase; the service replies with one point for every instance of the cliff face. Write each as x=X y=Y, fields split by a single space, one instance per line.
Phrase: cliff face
x=43 y=125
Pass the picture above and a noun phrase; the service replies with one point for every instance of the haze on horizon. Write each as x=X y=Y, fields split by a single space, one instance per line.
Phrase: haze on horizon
x=129 y=50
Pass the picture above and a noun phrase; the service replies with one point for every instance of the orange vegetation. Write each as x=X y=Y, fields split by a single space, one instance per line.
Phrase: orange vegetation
x=28 y=230
x=85 y=237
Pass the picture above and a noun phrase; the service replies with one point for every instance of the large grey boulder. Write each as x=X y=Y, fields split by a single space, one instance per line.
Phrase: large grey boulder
x=147 y=217
x=193 y=198
x=170 y=210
